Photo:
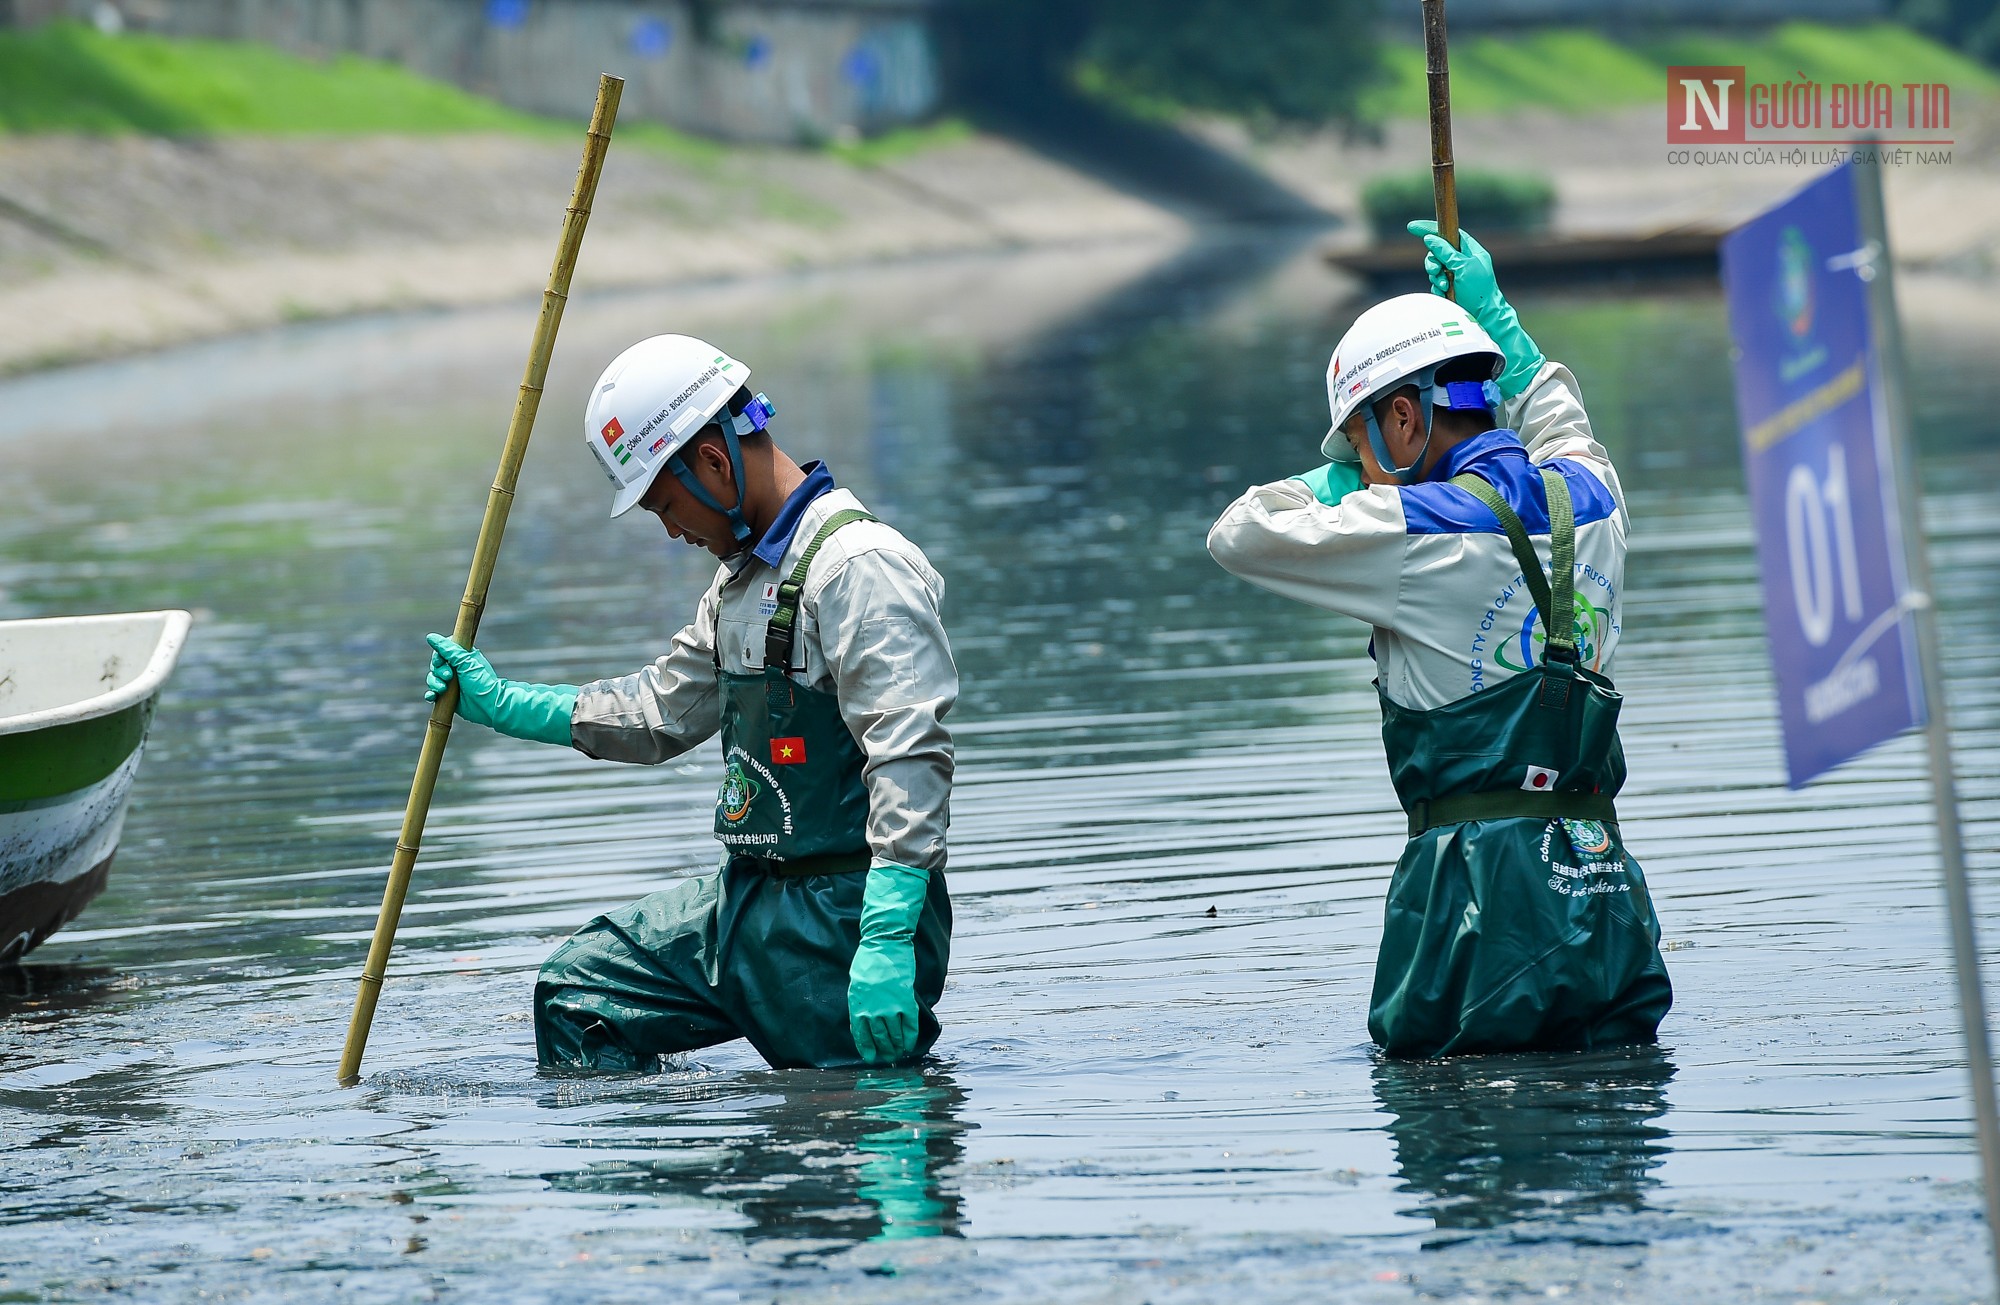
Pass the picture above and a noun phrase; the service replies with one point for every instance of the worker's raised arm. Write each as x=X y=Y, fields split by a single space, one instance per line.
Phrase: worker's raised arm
x=658 y=713
x=1550 y=419
x=1345 y=556
x=1541 y=401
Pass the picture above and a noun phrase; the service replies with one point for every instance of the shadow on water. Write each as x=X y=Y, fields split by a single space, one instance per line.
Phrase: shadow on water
x=1487 y=1142
x=832 y=1157
x=45 y=993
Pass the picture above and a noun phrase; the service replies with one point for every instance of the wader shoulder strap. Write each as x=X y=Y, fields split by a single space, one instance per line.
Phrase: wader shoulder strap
x=778 y=635
x=1555 y=592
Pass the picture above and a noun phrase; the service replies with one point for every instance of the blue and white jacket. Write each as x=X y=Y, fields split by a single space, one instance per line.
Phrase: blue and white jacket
x=1428 y=565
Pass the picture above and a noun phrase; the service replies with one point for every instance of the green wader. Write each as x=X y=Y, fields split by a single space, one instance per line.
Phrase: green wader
x=760 y=948
x=1516 y=920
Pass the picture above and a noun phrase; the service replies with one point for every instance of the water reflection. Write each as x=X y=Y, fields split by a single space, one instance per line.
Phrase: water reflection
x=1487 y=1141
x=833 y=1157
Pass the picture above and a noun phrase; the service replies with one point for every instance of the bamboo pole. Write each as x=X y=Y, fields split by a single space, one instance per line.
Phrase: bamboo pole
x=1444 y=179
x=498 y=501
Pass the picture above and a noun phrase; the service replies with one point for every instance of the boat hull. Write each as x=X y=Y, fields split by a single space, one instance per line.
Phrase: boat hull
x=39 y=909
x=77 y=695
x=56 y=847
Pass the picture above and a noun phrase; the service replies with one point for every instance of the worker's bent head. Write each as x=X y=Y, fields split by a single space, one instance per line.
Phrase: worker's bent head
x=654 y=409
x=724 y=478
x=1399 y=417
x=1404 y=362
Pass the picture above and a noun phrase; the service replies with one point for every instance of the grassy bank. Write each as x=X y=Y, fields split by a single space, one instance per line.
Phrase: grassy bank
x=66 y=77
x=69 y=77
x=1577 y=70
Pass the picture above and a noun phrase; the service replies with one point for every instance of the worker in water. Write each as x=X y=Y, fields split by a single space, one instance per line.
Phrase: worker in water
x=1470 y=516
x=818 y=654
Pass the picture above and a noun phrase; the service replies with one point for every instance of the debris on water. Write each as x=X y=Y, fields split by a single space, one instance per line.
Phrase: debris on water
x=1211 y=913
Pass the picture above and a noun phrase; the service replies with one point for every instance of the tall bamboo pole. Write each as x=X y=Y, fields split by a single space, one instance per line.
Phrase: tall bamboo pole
x=1444 y=178
x=498 y=500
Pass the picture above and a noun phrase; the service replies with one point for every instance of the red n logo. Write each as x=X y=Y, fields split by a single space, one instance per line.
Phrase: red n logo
x=1704 y=105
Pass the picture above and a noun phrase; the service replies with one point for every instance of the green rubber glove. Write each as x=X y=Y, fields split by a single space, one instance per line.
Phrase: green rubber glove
x=537 y=712
x=882 y=981
x=1478 y=292
x=1333 y=482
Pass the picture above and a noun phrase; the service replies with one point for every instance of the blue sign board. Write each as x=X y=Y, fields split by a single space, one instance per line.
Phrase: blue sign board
x=1822 y=475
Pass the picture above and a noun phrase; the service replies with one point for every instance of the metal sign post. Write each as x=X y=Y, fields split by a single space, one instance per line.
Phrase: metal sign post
x=1893 y=399
x=1821 y=392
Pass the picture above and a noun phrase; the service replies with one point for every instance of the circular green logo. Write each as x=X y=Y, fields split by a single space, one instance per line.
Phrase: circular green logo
x=738 y=792
x=1588 y=837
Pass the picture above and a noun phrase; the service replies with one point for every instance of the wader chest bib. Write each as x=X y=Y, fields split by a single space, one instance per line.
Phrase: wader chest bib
x=1515 y=918
x=792 y=792
x=761 y=948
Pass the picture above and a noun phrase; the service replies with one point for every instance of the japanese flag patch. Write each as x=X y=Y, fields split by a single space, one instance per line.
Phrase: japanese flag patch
x=1540 y=780
x=768 y=604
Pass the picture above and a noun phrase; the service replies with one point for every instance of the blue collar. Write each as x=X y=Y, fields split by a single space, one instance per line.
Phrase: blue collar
x=770 y=550
x=1482 y=447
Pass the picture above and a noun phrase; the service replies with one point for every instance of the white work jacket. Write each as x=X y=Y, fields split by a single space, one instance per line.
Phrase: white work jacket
x=1428 y=566
x=868 y=633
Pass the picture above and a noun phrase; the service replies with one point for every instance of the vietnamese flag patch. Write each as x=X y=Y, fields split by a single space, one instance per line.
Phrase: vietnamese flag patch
x=788 y=752
x=612 y=432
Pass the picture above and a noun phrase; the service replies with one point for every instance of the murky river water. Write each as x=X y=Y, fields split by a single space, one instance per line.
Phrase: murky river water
x=1171 y=842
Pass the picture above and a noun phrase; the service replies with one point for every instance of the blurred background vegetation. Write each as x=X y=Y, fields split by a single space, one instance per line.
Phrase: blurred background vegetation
x=1972 y=26
x=1275 y=65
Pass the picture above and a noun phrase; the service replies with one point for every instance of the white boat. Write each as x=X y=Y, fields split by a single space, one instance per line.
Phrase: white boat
x=76 y=699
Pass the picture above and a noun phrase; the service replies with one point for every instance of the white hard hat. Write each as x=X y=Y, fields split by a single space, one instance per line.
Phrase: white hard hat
x=1388 y=346
x=651 y=400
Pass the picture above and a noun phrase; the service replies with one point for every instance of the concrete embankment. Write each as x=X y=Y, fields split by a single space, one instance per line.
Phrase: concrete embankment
x=117 y=245
x=1614 y=174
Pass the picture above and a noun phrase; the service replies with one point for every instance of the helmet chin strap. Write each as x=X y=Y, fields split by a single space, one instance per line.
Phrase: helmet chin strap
x=1459 y=396
x=753 y=416
x=1406 y=475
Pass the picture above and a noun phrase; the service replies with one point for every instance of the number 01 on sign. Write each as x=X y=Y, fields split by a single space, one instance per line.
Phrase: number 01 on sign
x=1821 y=393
